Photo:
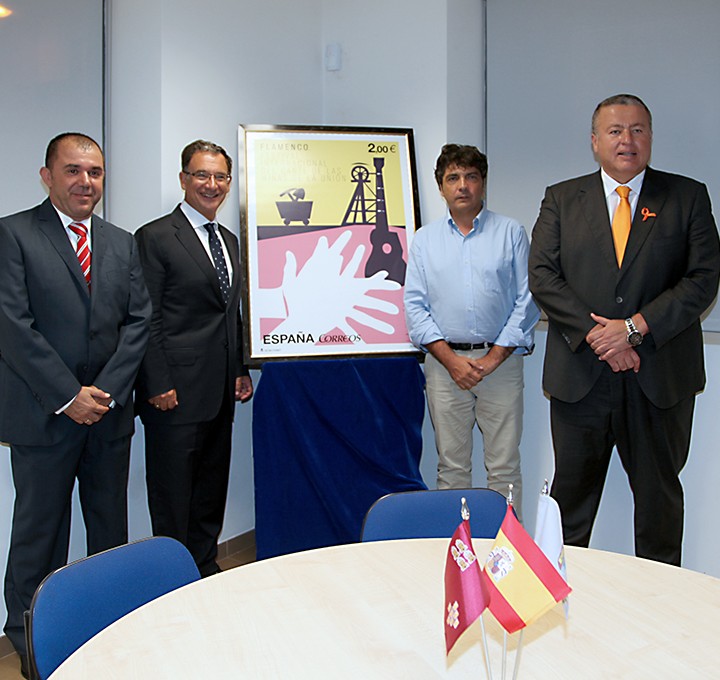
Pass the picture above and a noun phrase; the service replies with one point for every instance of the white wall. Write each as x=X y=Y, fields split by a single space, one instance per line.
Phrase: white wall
x=50 y=82
x=264 y=63
x=549 y=64
x=181 y=70
x=408 y=64
x=435 y=85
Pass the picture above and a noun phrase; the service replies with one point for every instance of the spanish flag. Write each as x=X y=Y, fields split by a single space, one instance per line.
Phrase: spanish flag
x=523 y=584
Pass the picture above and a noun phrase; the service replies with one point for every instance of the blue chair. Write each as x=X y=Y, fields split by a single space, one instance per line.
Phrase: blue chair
x=77 y=601
x=433 y=514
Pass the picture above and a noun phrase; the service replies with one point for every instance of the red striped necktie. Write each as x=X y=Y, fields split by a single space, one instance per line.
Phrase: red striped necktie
x=83 y=249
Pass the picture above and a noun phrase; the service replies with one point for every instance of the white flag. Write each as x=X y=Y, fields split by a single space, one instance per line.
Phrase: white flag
x=549 y=536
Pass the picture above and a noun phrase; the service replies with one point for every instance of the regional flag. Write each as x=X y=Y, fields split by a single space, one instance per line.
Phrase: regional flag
x=466 y=595
x=523 y=584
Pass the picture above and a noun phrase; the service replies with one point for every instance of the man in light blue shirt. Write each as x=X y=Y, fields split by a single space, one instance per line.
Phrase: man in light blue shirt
x=468 y=305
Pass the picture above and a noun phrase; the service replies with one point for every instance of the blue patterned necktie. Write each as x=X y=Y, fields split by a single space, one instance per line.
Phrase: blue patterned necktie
x=219 y=261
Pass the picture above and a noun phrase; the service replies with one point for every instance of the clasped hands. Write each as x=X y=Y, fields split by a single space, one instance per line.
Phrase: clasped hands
x=608 y=339
x=468 y=372
x=89 y=406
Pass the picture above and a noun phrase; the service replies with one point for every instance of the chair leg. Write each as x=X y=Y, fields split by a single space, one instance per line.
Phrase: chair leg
x=28 y=667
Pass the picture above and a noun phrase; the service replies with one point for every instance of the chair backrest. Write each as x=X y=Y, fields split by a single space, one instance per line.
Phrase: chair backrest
x=77 y=601
x=433 y=514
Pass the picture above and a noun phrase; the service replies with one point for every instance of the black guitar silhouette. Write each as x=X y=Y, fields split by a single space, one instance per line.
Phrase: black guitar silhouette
x=386 y=254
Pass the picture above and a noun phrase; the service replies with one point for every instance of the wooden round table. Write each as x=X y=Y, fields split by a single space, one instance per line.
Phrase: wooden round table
x=376 y=610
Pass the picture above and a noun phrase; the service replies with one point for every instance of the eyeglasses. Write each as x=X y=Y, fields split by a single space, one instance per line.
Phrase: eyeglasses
x=204 y=176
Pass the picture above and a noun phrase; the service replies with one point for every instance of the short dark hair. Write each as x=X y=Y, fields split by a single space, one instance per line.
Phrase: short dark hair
x=462 y=155
x=622 y=100
x=82 y=140
x=203 y=146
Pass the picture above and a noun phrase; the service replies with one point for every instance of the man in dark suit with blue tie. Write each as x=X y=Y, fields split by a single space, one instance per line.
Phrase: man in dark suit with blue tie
x=74 y=317
x=193 y=371
x=624 y=262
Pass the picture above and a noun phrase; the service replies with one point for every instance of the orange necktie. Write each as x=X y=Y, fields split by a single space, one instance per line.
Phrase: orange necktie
x=621 y=223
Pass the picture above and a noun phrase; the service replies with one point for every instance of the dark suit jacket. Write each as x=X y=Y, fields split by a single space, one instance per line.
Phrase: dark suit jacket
x=55 y=337
x=195 y=340
x=669 y=274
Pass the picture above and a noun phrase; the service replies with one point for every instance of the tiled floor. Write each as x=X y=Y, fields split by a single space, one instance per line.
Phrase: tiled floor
x=10 y=668
x=10 y=663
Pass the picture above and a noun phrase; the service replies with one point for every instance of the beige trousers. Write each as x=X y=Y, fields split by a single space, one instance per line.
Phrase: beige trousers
x=496 y=405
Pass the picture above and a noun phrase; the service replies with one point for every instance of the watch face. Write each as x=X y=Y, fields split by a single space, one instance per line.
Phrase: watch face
x=635 y=338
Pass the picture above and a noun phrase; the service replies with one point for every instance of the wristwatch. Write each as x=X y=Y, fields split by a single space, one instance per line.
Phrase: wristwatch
x=634 y=336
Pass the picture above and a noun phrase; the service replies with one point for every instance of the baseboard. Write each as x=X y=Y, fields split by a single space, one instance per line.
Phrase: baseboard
x=236 y=544
x=233 y=545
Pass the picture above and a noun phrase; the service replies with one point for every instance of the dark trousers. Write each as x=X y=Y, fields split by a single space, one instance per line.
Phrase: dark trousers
x=653 y=445
x=44 y=477
x=187 y=471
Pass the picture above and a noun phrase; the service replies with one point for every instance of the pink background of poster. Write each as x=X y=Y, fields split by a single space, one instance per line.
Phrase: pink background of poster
x=271 y=257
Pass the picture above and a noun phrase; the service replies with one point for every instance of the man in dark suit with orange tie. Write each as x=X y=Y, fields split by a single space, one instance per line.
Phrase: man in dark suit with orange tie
x=74 y=316
x=624 y=262
x=193 y=371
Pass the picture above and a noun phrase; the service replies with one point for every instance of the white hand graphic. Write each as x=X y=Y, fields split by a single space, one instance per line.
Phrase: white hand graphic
x=323 y=296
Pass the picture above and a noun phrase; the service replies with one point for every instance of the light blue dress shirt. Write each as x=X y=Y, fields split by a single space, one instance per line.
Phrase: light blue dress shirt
x=471 y=288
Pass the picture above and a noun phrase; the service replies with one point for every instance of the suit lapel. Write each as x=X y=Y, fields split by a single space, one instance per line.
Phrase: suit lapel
x=650 y=202
x=53 y=229
x=98 y=242
x=190 y=241
x=594 y=206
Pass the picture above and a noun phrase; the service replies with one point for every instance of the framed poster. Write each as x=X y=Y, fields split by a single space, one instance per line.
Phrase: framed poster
x=327 y=218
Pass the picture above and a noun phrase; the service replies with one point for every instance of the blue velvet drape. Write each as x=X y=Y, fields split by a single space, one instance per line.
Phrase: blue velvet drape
x=329 y=439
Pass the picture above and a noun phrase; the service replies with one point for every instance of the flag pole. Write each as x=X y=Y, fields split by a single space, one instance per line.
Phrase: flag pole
x=516 y=668
x=505 y=634
x=465 y=514
x=485 y=645
x=504 y=659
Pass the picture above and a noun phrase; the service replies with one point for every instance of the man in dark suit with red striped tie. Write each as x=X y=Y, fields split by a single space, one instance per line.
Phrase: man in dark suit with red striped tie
x=74 y=316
